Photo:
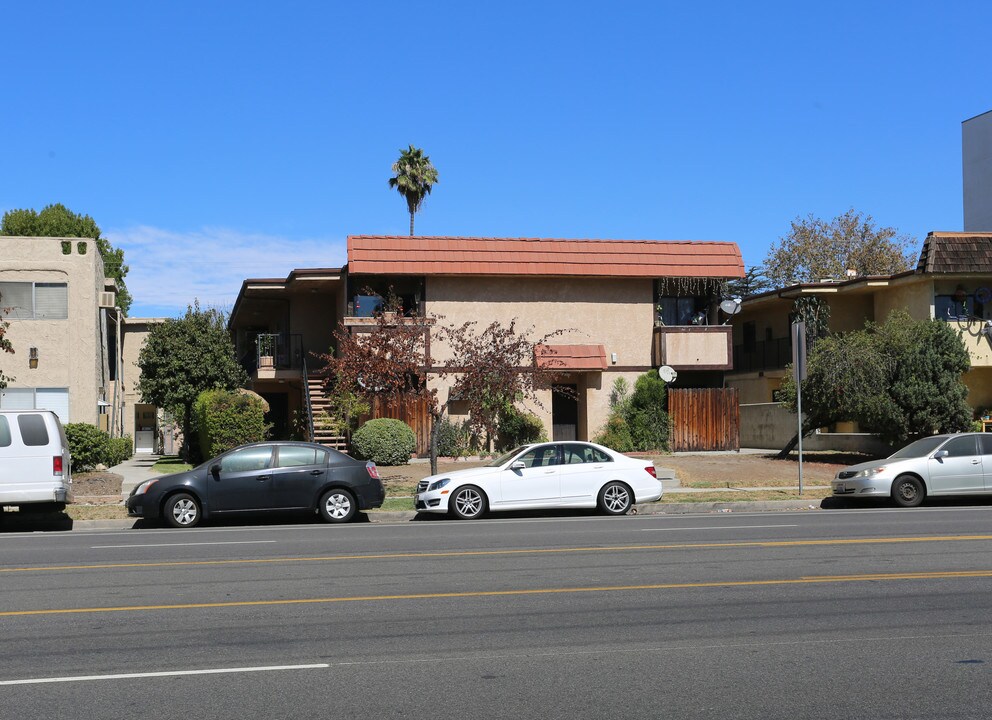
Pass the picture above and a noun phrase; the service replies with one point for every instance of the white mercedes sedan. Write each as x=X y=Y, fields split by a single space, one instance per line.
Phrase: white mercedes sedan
x=544 y=475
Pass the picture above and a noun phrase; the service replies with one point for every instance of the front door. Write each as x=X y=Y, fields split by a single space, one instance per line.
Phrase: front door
x=536 y=483
x=244 y=481
x=960 y=471
x=564 y=413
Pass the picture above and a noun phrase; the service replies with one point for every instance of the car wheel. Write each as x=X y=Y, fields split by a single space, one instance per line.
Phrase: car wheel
x=615 y=499
x=907 y=491
x=467 y=502
x=338 y=506
x=182 y=511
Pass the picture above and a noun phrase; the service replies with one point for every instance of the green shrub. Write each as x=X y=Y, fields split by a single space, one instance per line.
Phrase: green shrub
x=616 y=435
x=120 y=449
x=384 y=441
x=515 y=428
x=88 y=445
x=226 y=419
x=452 y=439
x=638 y=421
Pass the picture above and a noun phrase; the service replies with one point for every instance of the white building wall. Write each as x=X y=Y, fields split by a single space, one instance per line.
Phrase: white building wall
x=976 y=166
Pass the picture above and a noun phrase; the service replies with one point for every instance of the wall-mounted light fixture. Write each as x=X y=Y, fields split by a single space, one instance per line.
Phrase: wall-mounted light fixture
x=33 y=358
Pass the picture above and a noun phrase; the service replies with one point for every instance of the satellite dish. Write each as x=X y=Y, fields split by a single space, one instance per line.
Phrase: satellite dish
x=731 y=306
x=667 y=374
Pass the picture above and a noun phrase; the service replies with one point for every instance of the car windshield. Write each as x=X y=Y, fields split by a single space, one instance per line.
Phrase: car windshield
x=920 y=448
x=505 y=457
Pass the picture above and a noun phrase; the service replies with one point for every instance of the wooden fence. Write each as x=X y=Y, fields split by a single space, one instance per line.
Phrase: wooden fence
x=704 y=419
x=414 y=413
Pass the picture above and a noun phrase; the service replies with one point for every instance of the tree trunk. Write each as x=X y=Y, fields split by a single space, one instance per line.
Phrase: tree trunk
x=411 y=223
x=187 y=431
x=789 y=447
x=435 y=435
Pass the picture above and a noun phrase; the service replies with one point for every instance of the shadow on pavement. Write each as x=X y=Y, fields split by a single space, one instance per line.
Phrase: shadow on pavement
x=34 y=522
x=836 y=503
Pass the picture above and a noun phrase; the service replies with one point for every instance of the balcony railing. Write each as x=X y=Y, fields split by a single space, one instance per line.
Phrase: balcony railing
x=764 y=355
x=273 y=351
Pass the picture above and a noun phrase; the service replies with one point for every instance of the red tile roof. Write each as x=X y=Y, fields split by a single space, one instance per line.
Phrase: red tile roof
x=570 y=357
x=400 y=255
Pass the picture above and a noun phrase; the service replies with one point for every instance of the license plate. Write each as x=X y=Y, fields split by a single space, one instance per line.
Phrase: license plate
x=840 y=488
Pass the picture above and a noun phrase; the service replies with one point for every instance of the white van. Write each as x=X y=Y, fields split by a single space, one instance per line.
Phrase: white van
x=34 y=461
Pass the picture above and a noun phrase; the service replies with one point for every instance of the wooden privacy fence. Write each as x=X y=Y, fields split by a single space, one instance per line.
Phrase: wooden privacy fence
x=704 y=419
x=413 y=412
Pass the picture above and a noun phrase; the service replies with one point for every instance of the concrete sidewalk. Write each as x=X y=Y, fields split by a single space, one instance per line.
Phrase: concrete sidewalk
x=135 y=471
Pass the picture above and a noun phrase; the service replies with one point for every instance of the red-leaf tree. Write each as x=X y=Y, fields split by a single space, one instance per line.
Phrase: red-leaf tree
x=392 y=360
x=5 y=344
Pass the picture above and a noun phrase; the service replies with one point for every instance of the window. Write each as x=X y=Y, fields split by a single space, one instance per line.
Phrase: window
x=960 y=307
x=295 y=456
x=986 y=441
x=540 y=457
x=575 y=453
x=750 y=336
x=4 y=432
x=246 y=460
x=33 y=430
x=961 y=446
x=35 y=301
x=682 y=310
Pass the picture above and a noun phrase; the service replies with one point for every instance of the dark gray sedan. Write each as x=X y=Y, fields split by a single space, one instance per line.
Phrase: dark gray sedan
x=958 y=464
x=263 y=477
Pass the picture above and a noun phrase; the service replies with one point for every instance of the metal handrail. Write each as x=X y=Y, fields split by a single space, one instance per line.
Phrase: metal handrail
x=306 y=397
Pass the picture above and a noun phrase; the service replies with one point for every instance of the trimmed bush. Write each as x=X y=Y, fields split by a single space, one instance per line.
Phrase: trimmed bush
x=516 y=428
x=450 y=439
x=637 y=421
x=226 y=419
x=616 y=435
x=89 y=446
x=384 y=441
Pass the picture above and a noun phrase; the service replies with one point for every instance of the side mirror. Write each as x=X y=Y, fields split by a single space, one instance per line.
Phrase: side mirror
x=518 y=465
x=215 y=469
x=940 y=454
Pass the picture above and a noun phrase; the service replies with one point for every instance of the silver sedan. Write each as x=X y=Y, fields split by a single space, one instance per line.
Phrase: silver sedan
x=958 y=464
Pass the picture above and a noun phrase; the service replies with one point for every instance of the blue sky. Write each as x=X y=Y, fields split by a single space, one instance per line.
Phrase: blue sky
x=218 y=141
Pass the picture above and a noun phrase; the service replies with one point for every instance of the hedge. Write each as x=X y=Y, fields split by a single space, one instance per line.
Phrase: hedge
x=89 y=446
x=226 y=419
x=384 y=441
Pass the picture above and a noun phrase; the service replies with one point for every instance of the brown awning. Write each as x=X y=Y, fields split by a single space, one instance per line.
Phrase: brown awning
x=570 y=357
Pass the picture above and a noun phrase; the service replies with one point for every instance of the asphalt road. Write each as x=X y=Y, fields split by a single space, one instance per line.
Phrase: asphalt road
x=867 y=613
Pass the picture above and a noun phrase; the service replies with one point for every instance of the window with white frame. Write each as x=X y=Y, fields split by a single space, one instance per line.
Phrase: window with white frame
x=54 y=399
x=35 y=300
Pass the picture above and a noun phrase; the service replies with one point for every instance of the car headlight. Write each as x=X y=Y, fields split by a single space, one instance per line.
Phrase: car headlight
x=438 y=484
x=870 y=472
x=143 y=487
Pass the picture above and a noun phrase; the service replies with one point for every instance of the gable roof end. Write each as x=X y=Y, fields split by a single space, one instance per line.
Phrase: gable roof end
x=956 y=252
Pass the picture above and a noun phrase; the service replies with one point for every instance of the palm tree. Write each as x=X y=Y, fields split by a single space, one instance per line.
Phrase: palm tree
x=414 y=178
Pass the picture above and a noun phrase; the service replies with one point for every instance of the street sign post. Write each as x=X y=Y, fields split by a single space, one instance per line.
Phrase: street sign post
x=799 y=372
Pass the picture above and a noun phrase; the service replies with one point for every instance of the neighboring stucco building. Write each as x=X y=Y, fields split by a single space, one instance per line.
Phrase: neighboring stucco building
x=976 y=166
x=63 y=326
x=626 y=307
x=143 y=422
x=952 y=282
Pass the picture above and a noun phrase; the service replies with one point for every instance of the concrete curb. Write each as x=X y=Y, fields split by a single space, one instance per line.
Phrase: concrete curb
x=391 y=517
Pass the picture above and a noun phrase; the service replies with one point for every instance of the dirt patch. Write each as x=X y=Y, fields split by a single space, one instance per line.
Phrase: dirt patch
x=737 y=470
x=97 y=487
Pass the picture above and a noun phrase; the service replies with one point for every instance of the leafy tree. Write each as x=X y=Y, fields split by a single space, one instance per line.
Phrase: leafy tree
x=753 y=282
x=184 y=356
x=5 y=344
x=900 y=378
x=491 y=367
x=415 y=176
x=814 y=249
x=59 y=221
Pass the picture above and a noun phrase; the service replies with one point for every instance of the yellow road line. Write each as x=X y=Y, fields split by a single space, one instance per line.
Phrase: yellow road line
x=523 y=551
x=809 y=580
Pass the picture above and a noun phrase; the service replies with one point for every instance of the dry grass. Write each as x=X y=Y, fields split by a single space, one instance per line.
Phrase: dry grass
x=814 y=496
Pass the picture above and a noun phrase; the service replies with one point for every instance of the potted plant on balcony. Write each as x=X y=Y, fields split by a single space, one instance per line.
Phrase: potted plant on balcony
x=266 y=351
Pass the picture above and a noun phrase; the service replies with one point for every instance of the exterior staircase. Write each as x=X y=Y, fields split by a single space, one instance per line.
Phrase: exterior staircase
x=319 y=404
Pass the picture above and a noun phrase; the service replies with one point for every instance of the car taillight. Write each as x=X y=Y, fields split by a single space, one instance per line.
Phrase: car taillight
x=57 y=465
x=372 y=470
x=650 y=471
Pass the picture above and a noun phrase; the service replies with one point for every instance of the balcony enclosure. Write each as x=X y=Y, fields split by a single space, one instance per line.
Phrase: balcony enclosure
x=688 y=334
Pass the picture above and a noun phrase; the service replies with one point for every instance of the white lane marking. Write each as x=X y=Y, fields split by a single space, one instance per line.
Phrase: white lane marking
x=167 y=673
x=189 y=544
x=714 y=527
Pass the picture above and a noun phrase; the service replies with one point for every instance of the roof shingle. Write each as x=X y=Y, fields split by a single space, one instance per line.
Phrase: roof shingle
x=956 y=252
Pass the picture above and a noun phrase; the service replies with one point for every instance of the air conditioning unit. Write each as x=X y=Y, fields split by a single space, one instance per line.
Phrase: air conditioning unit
x=107 y=299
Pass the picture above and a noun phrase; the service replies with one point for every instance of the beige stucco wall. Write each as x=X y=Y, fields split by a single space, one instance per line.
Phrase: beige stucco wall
x=71 y=352
x=615 y=313
x=914 y=295
x=135 y=333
